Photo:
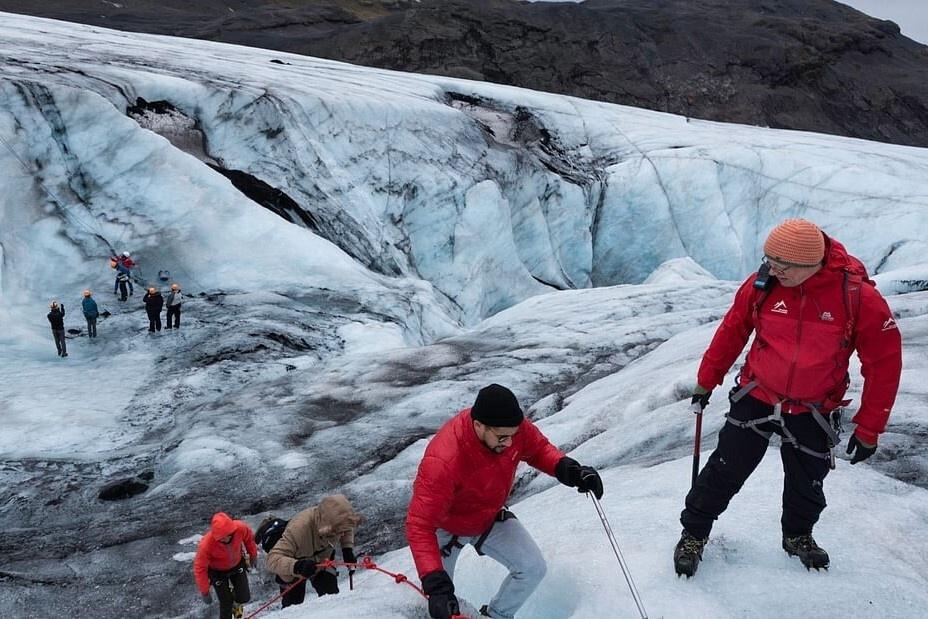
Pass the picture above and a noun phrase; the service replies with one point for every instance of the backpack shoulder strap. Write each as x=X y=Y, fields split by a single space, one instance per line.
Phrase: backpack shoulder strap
x=851 y=288
x=760 y=295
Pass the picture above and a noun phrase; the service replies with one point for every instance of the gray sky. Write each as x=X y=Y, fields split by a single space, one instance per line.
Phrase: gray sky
x=911 y=15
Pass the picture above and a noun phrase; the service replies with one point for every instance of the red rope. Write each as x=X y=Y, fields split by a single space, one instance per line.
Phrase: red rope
x=276 y=597
x=366 y=563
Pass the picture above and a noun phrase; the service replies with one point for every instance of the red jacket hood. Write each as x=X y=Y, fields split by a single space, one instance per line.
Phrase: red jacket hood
x=837 y=260
x=222 y=525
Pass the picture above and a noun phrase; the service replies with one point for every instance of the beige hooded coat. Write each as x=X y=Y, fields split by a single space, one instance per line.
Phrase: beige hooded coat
x=313 y=534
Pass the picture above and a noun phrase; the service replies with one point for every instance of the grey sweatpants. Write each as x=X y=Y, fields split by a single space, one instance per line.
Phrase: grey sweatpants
x=509 y=544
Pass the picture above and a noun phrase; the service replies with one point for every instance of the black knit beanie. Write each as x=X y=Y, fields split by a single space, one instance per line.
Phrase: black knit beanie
x=497 y=407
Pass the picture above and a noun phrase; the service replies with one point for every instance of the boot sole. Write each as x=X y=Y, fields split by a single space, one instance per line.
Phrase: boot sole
x=809 y=567
x=685 y=572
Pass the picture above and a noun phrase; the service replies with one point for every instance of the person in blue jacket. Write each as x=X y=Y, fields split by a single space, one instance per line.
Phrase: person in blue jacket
x=89 y=306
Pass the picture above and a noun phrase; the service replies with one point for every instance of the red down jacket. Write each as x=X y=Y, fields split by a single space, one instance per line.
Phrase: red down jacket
x=462 y=484
x=797 y=353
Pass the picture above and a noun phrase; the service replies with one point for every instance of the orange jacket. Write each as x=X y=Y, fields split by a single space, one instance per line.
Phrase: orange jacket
x=214 y=555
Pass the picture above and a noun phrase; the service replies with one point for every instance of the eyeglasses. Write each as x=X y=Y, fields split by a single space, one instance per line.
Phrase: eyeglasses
x=784 y=267
x=502 y=438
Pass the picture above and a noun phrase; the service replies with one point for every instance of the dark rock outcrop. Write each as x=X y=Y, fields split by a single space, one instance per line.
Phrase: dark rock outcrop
x=813 y=65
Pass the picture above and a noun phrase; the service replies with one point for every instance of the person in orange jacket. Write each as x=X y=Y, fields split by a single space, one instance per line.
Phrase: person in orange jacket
x=220 y=561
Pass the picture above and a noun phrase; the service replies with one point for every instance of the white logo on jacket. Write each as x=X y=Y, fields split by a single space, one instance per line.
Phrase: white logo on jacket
x=779 y=307
x=827 y=316
x=889 y=324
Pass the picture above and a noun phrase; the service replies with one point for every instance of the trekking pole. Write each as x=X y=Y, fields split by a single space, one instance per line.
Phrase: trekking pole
x=697 y=408
x=618 y=555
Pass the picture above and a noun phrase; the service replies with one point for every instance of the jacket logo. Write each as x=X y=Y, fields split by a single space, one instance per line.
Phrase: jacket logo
x=889 y=324
x=779 y=307
x=827 y=316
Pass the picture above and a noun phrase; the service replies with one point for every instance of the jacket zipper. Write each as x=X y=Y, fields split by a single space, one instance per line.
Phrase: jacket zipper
x=792 y=365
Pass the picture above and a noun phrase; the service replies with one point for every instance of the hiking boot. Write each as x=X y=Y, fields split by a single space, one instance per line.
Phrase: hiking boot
x=238 y=611
x=484 y=612
x=688 y=554
x=804 y=547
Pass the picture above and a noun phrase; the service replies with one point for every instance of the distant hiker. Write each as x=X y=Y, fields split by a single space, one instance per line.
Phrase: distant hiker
x=153 y=303
x=310 y=538
x=123 y=265
x=89 y=307
x=125 y=259
x=810 y=306
x=220 y=561
x=122 y=280
x=175 y=298
x=459 y=498
x=56 y=318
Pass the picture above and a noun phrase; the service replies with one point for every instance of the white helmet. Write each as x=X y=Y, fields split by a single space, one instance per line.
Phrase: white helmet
x=126 y=254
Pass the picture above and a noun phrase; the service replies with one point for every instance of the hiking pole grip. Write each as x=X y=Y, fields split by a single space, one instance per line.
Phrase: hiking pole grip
x=618 y=555
x=698 y=410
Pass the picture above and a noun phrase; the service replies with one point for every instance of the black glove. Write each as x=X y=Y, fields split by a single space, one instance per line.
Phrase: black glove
x=207 y=598
x=701 y=397
x=304 y=567
x=440 y=589
x=584 y=478
x=861 y=450
x=348 y=557
x=325 y=583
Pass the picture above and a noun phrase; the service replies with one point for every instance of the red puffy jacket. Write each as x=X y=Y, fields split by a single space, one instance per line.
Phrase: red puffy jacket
x=462 y=484
x=797 y=353
x=214 y=555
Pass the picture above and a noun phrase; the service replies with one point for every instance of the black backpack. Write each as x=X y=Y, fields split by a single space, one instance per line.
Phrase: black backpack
x=269 y=531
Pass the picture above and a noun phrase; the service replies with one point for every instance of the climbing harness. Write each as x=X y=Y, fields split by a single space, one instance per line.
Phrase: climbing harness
x=832 y=430
x=501 y=516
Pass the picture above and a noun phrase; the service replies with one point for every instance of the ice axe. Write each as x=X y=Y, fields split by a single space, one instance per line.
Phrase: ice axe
x=697 y=409
x=699 y=402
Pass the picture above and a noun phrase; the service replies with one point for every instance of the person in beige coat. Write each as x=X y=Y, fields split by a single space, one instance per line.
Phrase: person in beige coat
x=311 y=537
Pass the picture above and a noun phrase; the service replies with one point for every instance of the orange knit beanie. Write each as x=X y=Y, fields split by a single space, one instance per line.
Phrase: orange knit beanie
x=796 y=241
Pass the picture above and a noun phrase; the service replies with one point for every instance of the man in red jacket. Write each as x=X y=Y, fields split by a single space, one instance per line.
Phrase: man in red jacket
x=459 y=498
x=807 y=319
x=220 y=561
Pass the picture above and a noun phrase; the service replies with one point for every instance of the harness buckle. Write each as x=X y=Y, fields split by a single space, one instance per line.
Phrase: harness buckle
x=777 y=416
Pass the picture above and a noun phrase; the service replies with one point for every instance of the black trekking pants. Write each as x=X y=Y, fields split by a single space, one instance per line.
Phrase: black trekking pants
x=738 y=453
x=231 y=586
x=91 y=326
x=154 y=321
x=173 y=312
x=60 y=342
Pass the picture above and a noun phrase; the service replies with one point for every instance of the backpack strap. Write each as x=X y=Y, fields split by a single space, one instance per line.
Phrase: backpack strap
x=851 y=287
x=759 y=297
